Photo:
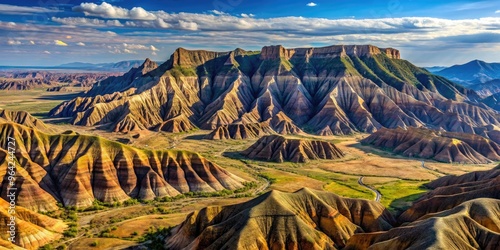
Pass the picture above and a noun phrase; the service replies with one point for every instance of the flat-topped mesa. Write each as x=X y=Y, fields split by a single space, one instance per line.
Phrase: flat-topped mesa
x=184 y=57
x=278 y=51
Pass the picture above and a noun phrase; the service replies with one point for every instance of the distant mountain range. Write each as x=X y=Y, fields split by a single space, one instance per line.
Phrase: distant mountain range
x=116 y=66
x=471 y=73
x=482 y=77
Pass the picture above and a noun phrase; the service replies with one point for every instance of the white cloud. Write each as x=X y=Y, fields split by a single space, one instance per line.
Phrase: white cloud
x=153 y=48
x=497 y=12
x=247 y=15
x=153 y=53
x=60 y=43
x=106 y=10
x=89 y=22
x=311 y=4
x=135 y=46
x=13 y=42
x=46 y=52
x=217 y=12
x=24 y=10
x=80 y=44
x=188 y=25
x=32 y=42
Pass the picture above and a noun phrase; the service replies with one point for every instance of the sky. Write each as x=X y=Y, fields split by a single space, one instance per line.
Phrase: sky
x=427 y=32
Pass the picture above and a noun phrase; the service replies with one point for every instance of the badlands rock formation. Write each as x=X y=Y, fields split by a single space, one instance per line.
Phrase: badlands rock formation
x=33 y=229
x=305 y=219
x=279 y=149
x=436 y=145
x=471 y=225
x=331 y=90
x=451 y=191
x=23 y=118
x=77 y=169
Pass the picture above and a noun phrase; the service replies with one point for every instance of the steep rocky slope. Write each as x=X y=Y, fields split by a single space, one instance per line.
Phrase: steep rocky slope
x=436 y=145
x=33 y=230
x=471 y=225
x=305 y=219
x=331 y=90
x=76 y=169
x=279 y=149
x=451 y=191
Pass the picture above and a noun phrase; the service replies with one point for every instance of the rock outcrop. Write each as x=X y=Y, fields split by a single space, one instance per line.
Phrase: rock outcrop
x=279 y=149
x=331 y=90
x=436 y=145
x=77 y=169
x=305 y=219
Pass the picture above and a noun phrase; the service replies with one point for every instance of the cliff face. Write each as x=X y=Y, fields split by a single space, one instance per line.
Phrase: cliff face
x=76 y=170
x=278 y=51
x=331 y=90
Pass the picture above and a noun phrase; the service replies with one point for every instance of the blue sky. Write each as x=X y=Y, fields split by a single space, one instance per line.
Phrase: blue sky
x=61 y=31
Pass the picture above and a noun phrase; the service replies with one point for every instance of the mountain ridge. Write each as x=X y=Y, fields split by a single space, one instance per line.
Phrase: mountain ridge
x=330 y=90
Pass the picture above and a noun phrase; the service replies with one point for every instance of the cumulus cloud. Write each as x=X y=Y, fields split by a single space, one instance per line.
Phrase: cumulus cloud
x=153 y=48
x=80 y=44
x=106 y=10
x=46 y=52
x=311 y=4
x=24 y=10
x=32 y=42
x=497 y=12
x=60 y=43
